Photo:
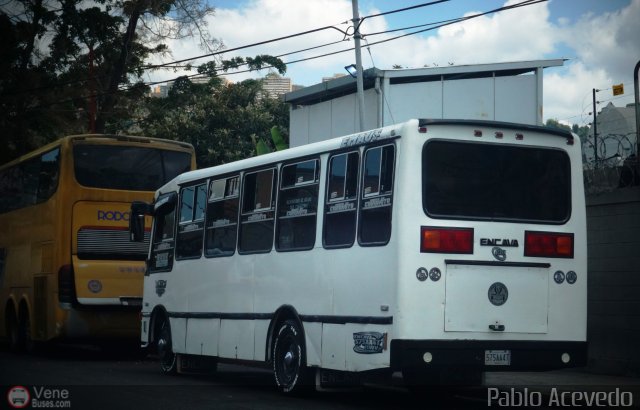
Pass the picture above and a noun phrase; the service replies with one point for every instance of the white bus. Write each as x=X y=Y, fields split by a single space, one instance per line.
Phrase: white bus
x=438 y=249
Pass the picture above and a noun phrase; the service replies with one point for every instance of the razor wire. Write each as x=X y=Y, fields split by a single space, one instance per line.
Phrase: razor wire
x=616 y=166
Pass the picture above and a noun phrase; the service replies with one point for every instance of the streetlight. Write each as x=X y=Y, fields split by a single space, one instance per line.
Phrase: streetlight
x=352 y=70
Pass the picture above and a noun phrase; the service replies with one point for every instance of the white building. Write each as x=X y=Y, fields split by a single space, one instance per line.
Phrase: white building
x=509 y=92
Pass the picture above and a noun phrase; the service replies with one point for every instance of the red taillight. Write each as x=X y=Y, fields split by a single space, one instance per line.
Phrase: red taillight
x=446 y=240
x=548 y=244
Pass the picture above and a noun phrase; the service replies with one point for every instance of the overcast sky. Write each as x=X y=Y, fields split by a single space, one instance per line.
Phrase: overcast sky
x=600 y=39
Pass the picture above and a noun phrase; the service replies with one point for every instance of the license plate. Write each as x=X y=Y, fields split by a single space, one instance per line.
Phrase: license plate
x=497 y=357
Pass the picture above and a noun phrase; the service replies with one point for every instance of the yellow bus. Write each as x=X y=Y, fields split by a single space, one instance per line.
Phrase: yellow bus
x=67 y=267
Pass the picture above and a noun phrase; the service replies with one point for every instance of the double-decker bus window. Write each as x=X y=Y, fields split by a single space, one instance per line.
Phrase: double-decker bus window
x=131 y=168
x=222 y=217
x=341 y=201
x=377 y=198
x=190 y=230
x=30 y=182
x=297 y=206
x=49 y=173
x=163 y=243
x=258 y=203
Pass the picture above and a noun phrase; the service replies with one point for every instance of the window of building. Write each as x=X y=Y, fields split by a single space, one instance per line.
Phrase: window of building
x=193 y=200
x=340 y=210
x=222 y=217
x=297 y=206
x=377 y=198
x=258 y=209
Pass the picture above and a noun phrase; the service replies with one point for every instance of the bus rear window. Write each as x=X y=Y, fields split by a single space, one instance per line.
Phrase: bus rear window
x=463 y=180
x=127 y=167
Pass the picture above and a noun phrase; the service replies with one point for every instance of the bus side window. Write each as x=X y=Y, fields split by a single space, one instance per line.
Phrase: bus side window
x=163 y=242
x=376 y=199
x=193 y=200
x=258 y=204
x=222 y=217
x=297 y=206
x=341 y=204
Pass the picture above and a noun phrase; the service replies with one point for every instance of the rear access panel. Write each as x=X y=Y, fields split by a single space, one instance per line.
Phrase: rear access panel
x=496 y=298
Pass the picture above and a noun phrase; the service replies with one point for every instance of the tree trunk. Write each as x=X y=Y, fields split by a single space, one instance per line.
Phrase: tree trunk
x=119 y=70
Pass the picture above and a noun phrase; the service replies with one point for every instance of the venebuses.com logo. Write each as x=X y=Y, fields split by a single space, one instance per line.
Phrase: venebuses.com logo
x=19 y=397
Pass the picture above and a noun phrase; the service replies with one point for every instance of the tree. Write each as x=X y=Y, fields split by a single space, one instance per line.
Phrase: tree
x=92 y=69
x=553 y=123
x=581 y=131
x=220 y=120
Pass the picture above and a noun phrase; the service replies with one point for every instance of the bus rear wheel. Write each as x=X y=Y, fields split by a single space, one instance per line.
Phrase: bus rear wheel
x=168 y=359
x=289 y=363
x=16 y=343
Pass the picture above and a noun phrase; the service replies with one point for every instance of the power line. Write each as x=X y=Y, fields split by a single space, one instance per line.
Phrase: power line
x=445 y=23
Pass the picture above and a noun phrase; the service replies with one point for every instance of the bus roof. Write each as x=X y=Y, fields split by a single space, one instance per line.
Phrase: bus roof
x=500 y=124
x=89 y=137
x=352 y=140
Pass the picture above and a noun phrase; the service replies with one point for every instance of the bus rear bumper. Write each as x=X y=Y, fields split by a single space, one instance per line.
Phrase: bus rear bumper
x=487 y=355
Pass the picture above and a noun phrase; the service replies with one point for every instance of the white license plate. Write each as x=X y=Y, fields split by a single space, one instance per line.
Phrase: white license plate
x=497 y=357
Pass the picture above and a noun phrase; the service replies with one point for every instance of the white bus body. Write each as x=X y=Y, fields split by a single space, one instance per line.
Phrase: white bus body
x=418 y=247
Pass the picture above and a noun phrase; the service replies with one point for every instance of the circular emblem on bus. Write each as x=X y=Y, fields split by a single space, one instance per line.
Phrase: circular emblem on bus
x=95 y=286
x=422 y=274
x=498 y=294
x=435 y=274
x=572 y=277
x=558 y=277
x=499 y=253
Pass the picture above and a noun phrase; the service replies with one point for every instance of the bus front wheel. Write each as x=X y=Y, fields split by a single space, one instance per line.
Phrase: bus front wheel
x=168 y=359
x=289 y=363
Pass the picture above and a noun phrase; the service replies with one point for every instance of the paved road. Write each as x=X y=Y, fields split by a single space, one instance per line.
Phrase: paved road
x=88 y=378
x=83 y=377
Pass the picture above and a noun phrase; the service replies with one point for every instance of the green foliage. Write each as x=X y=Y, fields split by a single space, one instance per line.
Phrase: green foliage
x=581 y=131
x=553 y=123
x=221 y=121
x=279 y=142
x=95 y=56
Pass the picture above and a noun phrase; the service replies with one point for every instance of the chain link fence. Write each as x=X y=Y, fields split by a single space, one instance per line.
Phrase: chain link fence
x=616 y=166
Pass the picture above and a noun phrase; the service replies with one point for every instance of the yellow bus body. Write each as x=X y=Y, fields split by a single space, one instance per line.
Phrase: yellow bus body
x=77 y=231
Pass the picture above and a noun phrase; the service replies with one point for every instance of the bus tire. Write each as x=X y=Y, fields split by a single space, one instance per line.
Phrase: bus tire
x=289 y=359
x=13 y=332
x=168 y=359
x=29 y=345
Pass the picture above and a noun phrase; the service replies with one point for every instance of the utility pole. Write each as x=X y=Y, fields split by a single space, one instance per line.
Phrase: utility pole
x=93 y=107
x=595 y=130
x=636 y=90
x=359 y=80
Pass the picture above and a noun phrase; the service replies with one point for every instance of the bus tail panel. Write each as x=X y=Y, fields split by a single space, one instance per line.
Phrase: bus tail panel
x=108 y=268
x=486 y=355
x=475 y=294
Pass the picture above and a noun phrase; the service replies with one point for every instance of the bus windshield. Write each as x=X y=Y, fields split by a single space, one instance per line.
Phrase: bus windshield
x=463 y=180
x=126 y=167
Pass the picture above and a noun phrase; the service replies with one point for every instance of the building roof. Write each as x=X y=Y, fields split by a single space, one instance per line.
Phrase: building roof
x=347 y=85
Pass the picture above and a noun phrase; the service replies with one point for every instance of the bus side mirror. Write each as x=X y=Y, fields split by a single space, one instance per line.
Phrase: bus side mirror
x=136 y=220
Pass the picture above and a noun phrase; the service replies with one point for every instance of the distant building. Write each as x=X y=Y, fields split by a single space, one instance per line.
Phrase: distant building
x=275 y=86
x=160 y=91
x=616 y=131
x=333 y=77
